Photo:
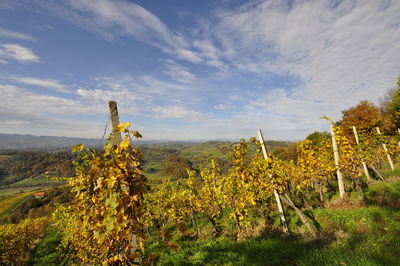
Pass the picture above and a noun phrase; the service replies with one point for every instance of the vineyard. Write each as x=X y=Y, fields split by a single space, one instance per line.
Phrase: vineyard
x=340 y=193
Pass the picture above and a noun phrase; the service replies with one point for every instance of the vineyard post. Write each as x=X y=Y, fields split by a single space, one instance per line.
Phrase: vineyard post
x=117 y=140
x=386 y=150
x=277 y=198
x=363 y=162
x=114 y=121
x=338 y=172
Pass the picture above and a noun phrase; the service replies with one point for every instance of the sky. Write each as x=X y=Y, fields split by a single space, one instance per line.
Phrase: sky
x=184 y=70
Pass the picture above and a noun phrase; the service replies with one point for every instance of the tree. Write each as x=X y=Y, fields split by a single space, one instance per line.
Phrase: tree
x=393 y=106
x=365 y=116
x=317 y=137
x=176 y=167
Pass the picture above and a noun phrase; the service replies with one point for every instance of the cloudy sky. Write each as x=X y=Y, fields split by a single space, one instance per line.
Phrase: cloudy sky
x=192 y=69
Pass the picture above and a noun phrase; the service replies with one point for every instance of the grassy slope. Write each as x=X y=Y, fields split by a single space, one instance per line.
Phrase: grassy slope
x=359 y=236
x=8 y=192
x=35 y=181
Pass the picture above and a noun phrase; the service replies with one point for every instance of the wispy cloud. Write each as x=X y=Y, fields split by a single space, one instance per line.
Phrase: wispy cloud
x=51 y=84
x=17 y=52
x=4 y=33
x=178 y=72
x=176 y=111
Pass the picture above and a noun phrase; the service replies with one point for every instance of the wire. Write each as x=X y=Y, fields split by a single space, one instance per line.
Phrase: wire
x=105 y=130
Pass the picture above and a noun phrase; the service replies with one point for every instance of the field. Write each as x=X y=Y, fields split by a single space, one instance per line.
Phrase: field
x=7 y=192
x=10 y=203
x=35 y=181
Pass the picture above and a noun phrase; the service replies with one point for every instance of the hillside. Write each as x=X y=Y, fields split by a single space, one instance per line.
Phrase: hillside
x=350 y=233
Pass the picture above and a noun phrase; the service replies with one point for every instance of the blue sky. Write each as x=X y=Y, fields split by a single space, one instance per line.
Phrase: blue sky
x=192 y=69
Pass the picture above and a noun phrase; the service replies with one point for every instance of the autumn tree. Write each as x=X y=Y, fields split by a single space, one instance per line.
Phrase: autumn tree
x=176 y=167
x=285 y=153
x=365 y=116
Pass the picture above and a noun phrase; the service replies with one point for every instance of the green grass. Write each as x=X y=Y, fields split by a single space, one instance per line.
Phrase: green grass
x=35 y=181
x=45 y=253
x=367 y=236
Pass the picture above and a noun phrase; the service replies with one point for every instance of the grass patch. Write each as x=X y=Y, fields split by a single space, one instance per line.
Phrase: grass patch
x=45 y=253
x=35 y=181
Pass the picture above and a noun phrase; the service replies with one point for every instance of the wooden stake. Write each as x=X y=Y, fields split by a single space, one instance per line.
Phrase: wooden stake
x=277 y=198
x=338 y=173
x=114 y=121
x=117 y=140
x=363 y=163
x=300 y=213
x=386 y=150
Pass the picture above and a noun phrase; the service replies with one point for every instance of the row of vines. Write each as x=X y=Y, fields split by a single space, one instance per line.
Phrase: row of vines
x=114 y=209
x=18 y=241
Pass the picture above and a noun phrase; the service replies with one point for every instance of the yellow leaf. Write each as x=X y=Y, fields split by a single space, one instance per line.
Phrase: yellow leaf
x=136 y=134
x=77 y=148
x=121 y=127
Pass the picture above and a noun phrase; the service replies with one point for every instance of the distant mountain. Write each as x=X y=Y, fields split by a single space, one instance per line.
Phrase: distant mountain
x=42 y=143
x=52 y=143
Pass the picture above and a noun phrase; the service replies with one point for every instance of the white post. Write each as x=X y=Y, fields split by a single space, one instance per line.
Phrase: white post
x=277 y=198
x=338 y=173
x=363 y=163
x=386 y=150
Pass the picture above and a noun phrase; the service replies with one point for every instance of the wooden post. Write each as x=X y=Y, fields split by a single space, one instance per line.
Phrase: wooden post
x=363 y=163
x=117 y=140
x=386 y=150
x=277 y=198
x=115 y=121
x=338 y=173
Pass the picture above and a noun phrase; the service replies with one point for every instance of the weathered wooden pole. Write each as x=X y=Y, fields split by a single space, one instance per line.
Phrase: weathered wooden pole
x=114 y=121
x=363 y=163
x=386 y=150
x=277 y=198
x=117 y=140
x=336 y=156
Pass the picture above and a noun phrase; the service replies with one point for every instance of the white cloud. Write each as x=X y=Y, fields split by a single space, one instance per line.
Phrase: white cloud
x=178 y=72
x=344 y=50
x=17 y=52
x=339 y=53
x=177 y=112
x=4 y=33
x=334 y=52
x=116 y=18
x=45 y=83
x=22 y=101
